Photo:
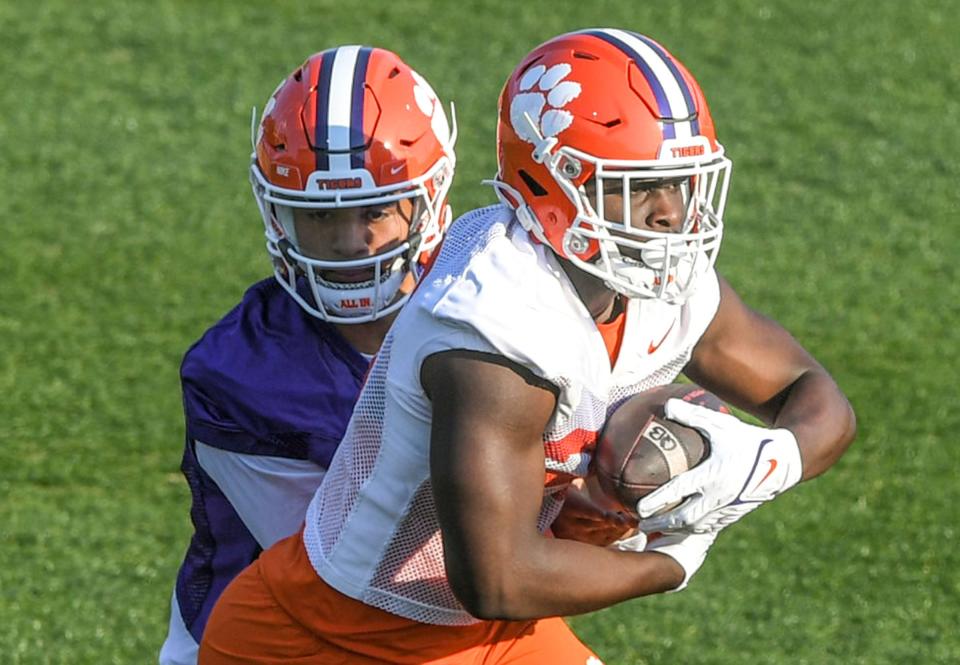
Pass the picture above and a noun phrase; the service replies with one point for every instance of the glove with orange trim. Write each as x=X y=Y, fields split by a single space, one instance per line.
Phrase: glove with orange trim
x=747 y=465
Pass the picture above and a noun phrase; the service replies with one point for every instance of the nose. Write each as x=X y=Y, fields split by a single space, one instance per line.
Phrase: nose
x=665 y=211
x=351 y=238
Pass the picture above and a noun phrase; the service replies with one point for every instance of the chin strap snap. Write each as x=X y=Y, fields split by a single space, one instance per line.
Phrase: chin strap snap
x=543 y=148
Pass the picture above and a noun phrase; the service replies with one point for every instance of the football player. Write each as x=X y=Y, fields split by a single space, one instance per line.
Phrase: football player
x=351 y=167
x=593 y=280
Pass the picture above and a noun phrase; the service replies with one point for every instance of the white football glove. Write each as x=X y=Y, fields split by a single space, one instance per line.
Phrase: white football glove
x=635 y=543
x=747 y=465
x=687 y=549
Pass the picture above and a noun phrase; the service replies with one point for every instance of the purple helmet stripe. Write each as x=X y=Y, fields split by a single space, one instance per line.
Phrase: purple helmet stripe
x=663 y=105
x=357 y=137
x=672 y=66
x=663 y=102
x=323 y=104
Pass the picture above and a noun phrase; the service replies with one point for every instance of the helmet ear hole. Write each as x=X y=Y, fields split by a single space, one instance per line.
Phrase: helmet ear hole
x=535 y=187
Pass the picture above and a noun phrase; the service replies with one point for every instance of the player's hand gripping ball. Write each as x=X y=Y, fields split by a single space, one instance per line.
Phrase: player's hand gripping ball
x=639 y=449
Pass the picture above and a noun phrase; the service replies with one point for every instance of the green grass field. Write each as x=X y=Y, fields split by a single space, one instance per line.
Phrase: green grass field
x=128 y=227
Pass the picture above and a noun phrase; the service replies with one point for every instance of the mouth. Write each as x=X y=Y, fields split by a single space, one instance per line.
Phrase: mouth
x=352 y=276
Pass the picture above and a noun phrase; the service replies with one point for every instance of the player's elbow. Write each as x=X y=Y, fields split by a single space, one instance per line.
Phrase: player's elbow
x=483 y=604
x=491 y=595
x=848 y=428
x=845 y=428
x=493 y=607
x=840 y=430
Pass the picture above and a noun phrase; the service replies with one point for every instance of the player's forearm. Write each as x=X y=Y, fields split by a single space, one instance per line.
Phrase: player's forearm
x=555 y=577
x=821 y=419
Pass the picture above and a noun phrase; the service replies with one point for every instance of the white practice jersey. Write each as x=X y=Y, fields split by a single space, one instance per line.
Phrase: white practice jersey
x=372 y=530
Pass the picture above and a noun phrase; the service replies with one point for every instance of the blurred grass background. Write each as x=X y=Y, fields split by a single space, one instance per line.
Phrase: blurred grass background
x=128 y=227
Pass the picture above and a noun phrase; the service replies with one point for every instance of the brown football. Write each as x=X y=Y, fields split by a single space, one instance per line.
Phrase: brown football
x=639 y=449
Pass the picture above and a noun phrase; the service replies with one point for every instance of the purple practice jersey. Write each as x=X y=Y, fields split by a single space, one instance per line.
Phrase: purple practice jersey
x=270 y=380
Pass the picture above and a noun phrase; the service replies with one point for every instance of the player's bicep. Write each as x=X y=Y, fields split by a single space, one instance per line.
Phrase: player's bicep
x=486 y=460
x=746 y=358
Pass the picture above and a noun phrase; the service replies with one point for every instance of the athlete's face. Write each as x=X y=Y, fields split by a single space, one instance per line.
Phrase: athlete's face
x=339 y=234
x=655 y=205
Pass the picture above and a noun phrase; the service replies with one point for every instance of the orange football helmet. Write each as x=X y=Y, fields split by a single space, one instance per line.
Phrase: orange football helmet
x=352 y=126
x=614 y=110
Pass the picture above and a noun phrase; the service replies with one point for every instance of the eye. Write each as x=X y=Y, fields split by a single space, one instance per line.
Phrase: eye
x=665 y=184
x=637 y=186
x=318 y=215
x=612 y=188
x=376 y=214
x=673 y=184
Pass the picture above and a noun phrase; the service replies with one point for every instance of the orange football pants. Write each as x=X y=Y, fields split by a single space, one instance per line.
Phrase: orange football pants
x=278 y=610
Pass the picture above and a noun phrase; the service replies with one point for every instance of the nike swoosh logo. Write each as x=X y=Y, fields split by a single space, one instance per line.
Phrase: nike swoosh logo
x=773 y=467
x=394 y=170
x=653 y=347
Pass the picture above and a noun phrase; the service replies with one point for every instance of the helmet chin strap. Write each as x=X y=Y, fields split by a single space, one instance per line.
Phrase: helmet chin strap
x=543 y=148
x=637 y=273
x=286 y=249
x=347 y=301
x=510 y=197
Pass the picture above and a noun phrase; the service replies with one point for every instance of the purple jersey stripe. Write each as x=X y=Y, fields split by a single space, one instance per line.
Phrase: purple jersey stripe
x=357 y=137
x=321 y=141
x=220 y=548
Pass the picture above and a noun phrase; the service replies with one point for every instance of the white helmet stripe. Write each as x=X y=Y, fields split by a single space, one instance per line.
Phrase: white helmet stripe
x=665 y=77
x=340 y=103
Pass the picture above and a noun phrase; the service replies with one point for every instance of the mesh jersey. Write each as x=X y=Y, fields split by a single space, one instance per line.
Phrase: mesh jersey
x=267 y=379
x=371 y=530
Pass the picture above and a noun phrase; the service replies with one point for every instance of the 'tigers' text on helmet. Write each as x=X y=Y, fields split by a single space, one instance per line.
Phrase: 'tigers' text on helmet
x=340 y=183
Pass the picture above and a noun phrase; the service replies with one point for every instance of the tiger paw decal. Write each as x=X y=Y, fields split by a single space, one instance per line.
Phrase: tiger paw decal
x=543 y=95
x=430 y=106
